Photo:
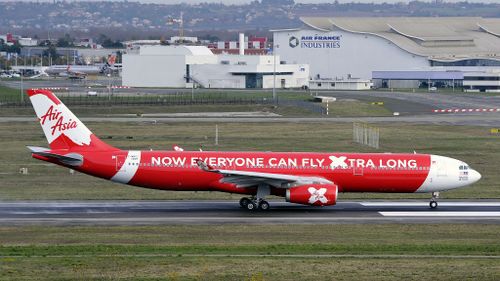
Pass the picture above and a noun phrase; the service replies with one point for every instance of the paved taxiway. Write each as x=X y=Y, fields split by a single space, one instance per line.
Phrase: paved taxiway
x=221 y=212
x=472 y=119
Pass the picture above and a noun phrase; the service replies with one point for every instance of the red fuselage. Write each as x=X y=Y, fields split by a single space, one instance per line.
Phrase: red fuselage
x=171 y=170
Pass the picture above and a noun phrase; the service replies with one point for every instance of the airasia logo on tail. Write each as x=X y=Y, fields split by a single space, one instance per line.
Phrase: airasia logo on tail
x=60 y=125
x=56 y=120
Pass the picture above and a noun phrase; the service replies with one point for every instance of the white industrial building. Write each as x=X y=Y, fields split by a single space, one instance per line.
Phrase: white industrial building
x=162 y=66
x=337 y=48
x=340 y=84
x=482 y=82
x=188 y=66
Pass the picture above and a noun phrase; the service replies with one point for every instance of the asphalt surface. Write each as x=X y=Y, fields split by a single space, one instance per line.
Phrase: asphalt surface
x=224 y=212
x=472 y=119
x=422 y=102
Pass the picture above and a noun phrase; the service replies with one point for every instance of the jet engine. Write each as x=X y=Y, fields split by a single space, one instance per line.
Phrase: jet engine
x=313 y=194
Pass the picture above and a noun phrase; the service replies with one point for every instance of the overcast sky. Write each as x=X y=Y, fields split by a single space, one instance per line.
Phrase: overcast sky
x=303 y=1
x=247 y=1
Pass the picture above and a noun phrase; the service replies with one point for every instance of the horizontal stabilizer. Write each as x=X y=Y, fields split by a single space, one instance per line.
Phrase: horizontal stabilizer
x=71 y=159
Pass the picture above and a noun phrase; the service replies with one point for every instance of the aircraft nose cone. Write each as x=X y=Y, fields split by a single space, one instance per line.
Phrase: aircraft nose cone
x=475 y=176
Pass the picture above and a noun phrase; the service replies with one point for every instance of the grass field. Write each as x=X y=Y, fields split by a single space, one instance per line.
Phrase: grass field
x=7 y=93
x=206 y=101
x=340 y=108
x=252 y=252
x=472 y=144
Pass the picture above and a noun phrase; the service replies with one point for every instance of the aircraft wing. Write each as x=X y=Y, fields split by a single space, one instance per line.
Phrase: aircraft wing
x=248 y=178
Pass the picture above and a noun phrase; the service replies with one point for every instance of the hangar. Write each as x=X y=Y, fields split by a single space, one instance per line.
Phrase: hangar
x=196 y=66
x=336 y=47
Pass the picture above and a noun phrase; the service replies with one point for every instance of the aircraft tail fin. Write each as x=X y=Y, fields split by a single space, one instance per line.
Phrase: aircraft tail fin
x=111 y=60
x=62 y=128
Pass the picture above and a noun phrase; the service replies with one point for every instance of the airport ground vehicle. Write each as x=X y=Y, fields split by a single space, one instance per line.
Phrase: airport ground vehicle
x=304 y=178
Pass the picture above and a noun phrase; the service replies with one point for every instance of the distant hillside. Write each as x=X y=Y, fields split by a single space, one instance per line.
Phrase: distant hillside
x=129 y=20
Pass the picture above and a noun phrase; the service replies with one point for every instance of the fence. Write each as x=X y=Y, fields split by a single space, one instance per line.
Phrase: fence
x=365 y=134
x=167 y=100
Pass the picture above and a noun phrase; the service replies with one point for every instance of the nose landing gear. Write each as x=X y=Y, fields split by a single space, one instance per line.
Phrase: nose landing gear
x=433 y=204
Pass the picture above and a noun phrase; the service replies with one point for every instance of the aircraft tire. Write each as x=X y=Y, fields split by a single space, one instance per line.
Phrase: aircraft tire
x=433 y=204
x=251 y=206
x=244 y=202
x=264 y=205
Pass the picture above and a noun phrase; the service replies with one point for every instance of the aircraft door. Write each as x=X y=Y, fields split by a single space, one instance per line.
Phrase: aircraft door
x=120 y=163
x=357 y=171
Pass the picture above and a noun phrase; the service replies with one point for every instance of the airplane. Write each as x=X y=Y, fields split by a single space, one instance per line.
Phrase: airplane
x=72 y=71
x=301 y=177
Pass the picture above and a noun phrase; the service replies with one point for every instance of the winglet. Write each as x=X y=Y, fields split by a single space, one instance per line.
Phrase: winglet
x=177 y=148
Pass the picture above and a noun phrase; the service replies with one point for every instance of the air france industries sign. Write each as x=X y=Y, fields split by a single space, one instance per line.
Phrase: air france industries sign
x=315 y=42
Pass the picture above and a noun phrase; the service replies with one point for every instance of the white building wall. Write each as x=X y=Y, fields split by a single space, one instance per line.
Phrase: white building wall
x=216 y=76
x=154 y=71
x=298 y=79
x=339 y=85
x=354 y=54
x=248 y=59
x=211 y=59
x=222 y=76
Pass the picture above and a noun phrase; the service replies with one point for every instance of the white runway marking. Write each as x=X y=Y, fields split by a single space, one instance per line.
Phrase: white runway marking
x=440 y=214
x=417 y=204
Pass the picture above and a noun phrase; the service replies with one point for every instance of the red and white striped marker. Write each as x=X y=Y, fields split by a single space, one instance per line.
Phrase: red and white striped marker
x=54 y=88
x=466 y=110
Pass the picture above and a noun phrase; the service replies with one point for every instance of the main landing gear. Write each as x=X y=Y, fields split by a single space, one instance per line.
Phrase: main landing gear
x=253 y=204
x=433 y=204
x=257 y=202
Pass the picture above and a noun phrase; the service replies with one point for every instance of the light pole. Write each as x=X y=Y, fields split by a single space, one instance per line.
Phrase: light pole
x=192 y=90
x=109 y=86
x=22 y=95
x=274 y=71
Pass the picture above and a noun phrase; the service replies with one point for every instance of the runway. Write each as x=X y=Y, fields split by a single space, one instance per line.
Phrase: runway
x=228 y=212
